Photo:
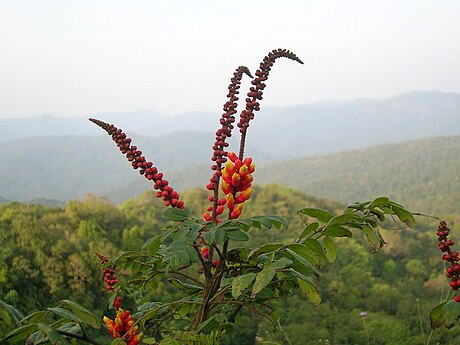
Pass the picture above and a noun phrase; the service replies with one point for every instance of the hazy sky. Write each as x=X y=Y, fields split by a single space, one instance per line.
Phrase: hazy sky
x=77 y=58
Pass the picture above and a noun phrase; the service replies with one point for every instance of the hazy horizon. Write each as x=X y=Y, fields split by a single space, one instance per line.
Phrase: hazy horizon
x=79 y=58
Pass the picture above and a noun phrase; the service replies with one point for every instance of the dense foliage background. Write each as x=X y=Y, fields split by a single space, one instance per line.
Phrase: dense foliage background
x=48 y=254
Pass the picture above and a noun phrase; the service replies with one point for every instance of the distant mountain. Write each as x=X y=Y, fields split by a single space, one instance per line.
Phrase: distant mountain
x=287 y=132
x=61 y=168
x=423 y=174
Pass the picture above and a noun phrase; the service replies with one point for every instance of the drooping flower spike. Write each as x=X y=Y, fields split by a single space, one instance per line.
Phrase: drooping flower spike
x=138 y=161
x=219 y=148
x=220 y=154
x=256 y=91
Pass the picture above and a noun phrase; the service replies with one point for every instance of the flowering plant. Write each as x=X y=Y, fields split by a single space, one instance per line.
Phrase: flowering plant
x=204 y=257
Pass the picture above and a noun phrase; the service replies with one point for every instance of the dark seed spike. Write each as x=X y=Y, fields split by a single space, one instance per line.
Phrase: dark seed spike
x=227 y=119
x=256 y=92
x=138 y=161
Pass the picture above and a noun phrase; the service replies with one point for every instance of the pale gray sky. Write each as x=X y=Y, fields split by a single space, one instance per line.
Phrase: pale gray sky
x=77 y=58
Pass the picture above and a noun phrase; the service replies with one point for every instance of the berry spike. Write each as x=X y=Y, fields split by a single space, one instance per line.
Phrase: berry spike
x=138 y=161
x=450 y=256
x=256 y=91
x=220 y=152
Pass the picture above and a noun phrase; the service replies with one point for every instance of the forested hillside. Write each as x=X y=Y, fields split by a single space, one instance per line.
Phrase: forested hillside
x=48 y=254
x=422 y=174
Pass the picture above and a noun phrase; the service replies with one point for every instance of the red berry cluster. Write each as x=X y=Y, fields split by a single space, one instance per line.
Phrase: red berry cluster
x=110 y=277
x=255 y=92
x=236 y=183
x=138 y=161
x=123 y=327
x=219 y=147
x=451 y=256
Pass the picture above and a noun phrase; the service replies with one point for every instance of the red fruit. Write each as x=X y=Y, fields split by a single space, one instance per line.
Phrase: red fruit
x=453 y=285
x=215 y=263
x=457 y=298
x=204 y=252
x=446 y=257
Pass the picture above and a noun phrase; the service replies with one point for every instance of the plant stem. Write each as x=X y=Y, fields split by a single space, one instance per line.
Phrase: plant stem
x=78 y=337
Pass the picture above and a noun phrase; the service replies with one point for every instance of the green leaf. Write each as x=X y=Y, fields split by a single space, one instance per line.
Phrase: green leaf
x=265 y=221
x=277 y=221
x=84 y=314
x=18 y=334
x=263 y=278
x=11 y=311
x=281 y=263
x=404 y=215
x=379 y=202
x=436 y=316
x=310 y=290
x=237 y=235
x=176 y=214
x=266 y=248
x=53 y=336
x=313 y=245
x=149 y=340
x=152 y=245
x=210 y=324
x=5 y=316
x=36 y=317
x=330 y=249
x=67 y=314
x=337 y=231
x=300 y=258
x=321 y=215
x=340 y=219
x=184 y=258
x=312 y=227
x=185 y=286
x=372 y=237
x=219 y=236
x=241 y=283
x=445 y=314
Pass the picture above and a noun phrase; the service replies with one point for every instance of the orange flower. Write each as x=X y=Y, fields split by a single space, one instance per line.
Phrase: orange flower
x=236 y=183
x=123 y=327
